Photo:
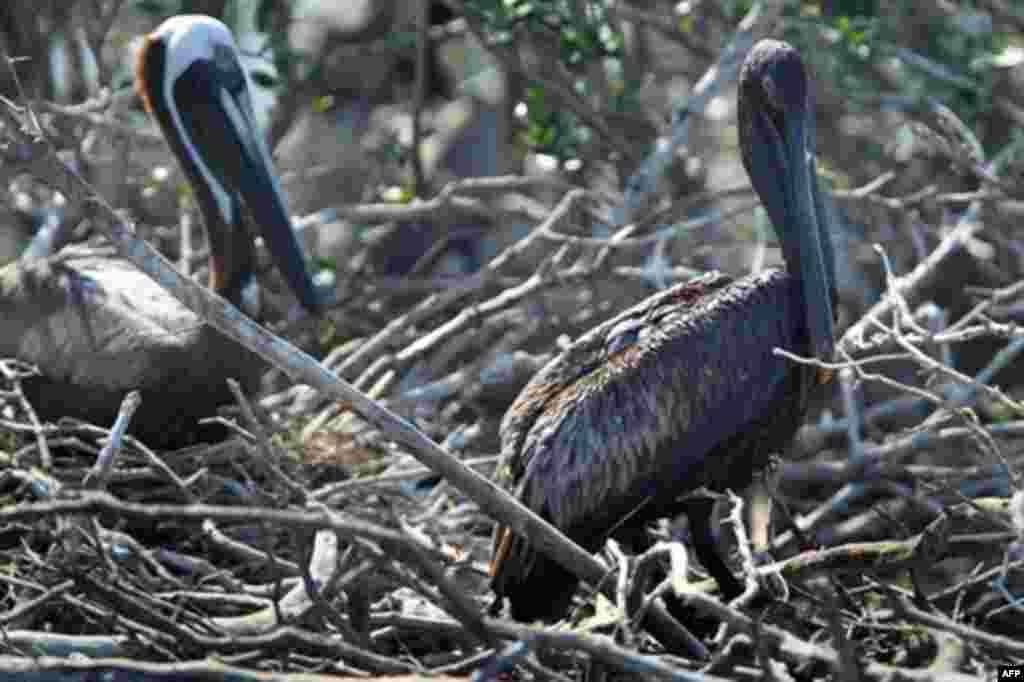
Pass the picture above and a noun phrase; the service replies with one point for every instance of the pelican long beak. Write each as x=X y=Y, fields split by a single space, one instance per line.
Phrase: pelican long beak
x=782 y=170
x=192 y=82
x=808 y=238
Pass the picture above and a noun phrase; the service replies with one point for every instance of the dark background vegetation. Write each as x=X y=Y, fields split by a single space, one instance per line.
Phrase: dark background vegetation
x=424 y=148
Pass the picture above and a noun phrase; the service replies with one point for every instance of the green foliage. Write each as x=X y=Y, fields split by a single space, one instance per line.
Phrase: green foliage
x=583 y=38
x=270 y=19
x=157 y=8
x=944 y=57
x=949 y=58
x=551 y=129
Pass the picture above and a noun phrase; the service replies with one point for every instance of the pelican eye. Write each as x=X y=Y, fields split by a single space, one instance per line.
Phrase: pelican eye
x=228 y=67
x=774 y=103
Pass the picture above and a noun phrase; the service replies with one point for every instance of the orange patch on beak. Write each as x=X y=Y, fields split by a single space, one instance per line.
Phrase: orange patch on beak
x=502 y=545
x=217 y=275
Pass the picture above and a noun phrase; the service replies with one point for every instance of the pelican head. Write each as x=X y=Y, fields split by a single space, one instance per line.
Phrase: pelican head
x=776 y=125
x=191 y=80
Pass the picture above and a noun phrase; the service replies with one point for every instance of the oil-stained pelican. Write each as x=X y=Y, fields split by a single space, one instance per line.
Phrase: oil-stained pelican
x=683 y=390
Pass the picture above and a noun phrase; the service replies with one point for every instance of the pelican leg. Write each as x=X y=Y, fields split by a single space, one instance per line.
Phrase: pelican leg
x=702 y=511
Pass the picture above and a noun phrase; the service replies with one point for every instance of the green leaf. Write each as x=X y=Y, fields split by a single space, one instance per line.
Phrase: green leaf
x=155 y=8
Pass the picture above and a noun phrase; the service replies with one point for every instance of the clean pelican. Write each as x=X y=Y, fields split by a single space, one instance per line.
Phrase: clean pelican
x=95 y=326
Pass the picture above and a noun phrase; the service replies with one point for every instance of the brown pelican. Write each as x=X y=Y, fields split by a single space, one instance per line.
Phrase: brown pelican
x=94 y=325
x=683 y=390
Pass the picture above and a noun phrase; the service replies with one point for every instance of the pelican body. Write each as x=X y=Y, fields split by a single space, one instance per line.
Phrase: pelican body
x=94 y=325
x=683 y=390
